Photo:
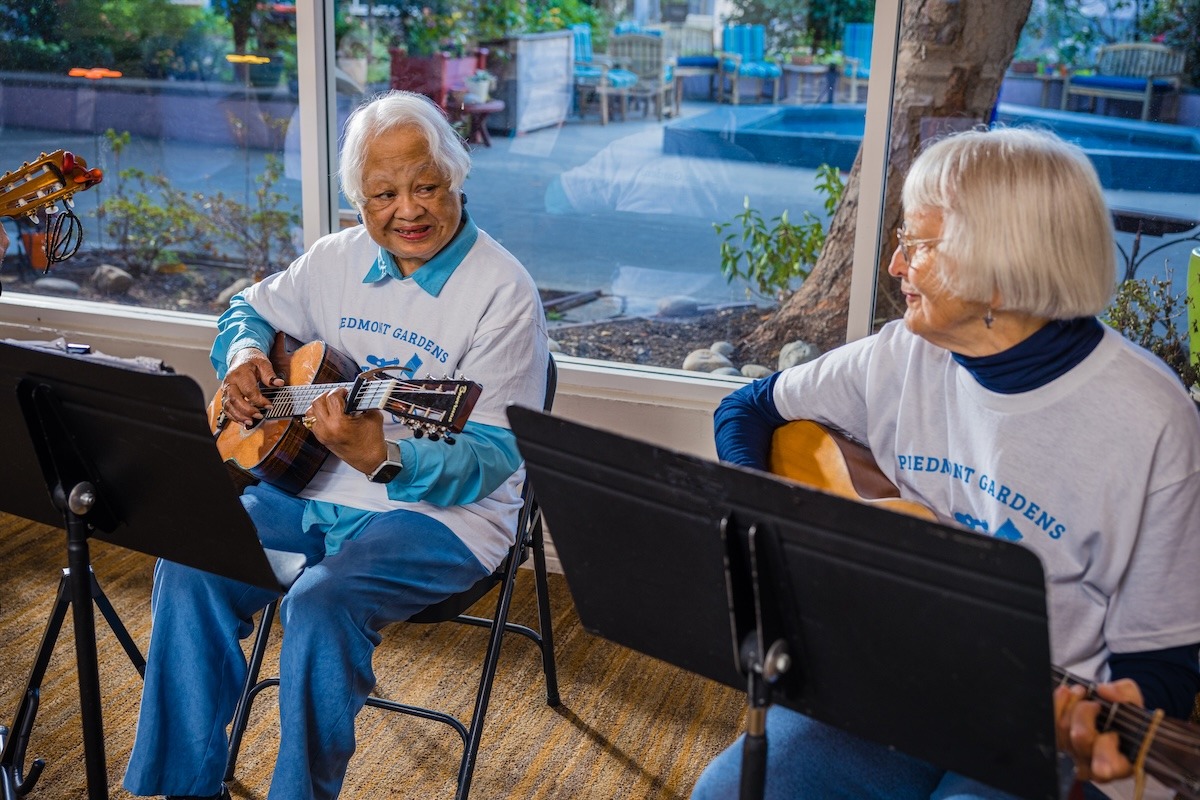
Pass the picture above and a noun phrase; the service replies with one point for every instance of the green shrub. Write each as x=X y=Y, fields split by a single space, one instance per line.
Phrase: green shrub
x=1147 y=313
x=775 y=256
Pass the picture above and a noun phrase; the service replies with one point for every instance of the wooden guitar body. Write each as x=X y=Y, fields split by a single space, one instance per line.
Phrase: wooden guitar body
x=809 y=453
x=282 y=451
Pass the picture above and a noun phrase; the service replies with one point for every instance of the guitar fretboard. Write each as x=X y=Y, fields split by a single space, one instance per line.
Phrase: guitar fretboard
x=434 y=403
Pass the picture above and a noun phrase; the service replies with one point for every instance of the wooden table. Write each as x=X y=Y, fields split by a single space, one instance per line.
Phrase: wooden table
x=476 y=115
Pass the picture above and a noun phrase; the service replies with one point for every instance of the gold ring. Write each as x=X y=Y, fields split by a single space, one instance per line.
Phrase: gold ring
x=308 y=422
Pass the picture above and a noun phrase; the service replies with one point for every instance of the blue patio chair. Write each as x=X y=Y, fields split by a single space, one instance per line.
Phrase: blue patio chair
x=742 y=57
x=856 y=52
x=596 y=76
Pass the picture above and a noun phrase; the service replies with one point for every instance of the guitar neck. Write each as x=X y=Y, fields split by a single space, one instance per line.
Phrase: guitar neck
x=1173 y=755
x=293 y=401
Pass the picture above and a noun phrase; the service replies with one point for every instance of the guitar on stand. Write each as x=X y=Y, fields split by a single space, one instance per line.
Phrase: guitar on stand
x=811 y=454
x=41 y=185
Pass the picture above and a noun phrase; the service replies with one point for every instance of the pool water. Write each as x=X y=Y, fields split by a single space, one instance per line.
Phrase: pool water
x=1127 y=154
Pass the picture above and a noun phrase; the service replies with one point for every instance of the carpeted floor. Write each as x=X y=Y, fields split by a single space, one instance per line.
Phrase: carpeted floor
x=628 y=727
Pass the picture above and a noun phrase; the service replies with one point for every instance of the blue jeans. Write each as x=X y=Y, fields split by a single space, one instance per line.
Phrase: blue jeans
x=808 y=759
x=400 y=563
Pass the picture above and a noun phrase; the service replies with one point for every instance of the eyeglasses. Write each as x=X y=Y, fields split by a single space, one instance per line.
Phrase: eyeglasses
x=907 y=245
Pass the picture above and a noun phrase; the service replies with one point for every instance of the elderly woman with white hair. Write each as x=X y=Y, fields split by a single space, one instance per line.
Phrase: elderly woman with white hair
x=1073 y=441
x=391 y=523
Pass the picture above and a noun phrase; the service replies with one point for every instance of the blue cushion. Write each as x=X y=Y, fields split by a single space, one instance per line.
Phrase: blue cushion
x=1117 y=82
x=617 y=78
x=707 y=62
x=856 y=43
x=582 y=33
x=755 y=69
x=745 y=40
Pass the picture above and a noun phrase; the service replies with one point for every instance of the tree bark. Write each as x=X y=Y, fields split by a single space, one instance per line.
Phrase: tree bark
x=951 y=61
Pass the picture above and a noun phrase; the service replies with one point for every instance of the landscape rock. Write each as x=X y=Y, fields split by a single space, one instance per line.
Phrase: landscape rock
x=724 y=348
x=705 y=361
x=111 y=279
x=755 y=371
x=56 y=286
x=678 y=306
x=797 y=352
x=227 y=294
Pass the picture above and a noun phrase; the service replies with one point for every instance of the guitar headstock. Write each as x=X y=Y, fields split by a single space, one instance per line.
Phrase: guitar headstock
x=431 y=407
x=42 y=183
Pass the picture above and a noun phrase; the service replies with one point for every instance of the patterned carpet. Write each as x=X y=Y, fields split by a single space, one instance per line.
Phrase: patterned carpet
x=628 y=727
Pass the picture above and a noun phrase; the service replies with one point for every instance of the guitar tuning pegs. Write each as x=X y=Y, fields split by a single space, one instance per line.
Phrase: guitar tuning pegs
x=434 y=436
x=418 y=432
x=449 y=439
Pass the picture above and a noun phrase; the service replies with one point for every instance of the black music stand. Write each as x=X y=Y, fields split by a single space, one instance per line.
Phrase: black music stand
x=118 y=449
x=916 y=635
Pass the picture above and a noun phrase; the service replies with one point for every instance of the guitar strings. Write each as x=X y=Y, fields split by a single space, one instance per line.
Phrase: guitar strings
x=291 y=401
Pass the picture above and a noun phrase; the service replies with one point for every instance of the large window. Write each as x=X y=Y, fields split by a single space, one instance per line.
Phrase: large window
x=658 y=216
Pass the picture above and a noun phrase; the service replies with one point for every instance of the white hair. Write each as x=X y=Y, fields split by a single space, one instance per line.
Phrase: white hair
x=396 y=109
x=1023 y=217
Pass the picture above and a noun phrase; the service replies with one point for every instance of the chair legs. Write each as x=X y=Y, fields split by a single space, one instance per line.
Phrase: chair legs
x=471 y=735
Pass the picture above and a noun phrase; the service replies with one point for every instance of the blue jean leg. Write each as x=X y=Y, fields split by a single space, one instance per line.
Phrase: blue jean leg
x=400 y=563
x=195 y=667
x=808 y=759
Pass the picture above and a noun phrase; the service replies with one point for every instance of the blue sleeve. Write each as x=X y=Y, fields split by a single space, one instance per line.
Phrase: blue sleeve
x=238 y=328
x=482 y=458
x=1169 y=679
x=744 y=422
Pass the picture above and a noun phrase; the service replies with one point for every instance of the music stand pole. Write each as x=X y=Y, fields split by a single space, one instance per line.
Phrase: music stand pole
x=762 y=665
x=75 y=506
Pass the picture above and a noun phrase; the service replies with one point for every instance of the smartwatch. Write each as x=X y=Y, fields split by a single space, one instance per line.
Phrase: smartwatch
x=390 y=467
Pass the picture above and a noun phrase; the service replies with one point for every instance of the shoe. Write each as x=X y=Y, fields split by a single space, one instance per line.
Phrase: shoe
x=221 y=795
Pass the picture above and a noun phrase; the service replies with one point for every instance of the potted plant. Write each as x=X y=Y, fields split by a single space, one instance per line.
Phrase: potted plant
x=479 y=86
x=432 y=55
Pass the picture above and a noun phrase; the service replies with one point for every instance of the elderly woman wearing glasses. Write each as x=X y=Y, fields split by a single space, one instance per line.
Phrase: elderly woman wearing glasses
x=1005 y=258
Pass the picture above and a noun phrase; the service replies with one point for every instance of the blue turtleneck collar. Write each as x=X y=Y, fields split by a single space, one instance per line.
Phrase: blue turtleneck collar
x=1054 y=349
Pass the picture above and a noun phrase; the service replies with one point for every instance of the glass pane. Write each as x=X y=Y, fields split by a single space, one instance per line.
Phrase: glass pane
x=186 y=108
x=608 y=145
x=1098 y=55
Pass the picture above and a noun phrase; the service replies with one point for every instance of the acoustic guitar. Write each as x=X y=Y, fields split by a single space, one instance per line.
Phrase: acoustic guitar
x=41 y=184
x=282 y=452
x=811 y=454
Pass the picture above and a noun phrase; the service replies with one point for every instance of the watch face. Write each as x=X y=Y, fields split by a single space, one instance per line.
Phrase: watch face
x=385 y=473
x=390 y=467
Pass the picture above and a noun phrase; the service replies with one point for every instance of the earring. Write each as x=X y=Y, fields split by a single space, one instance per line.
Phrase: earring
x=988 y=319
x=463 y=195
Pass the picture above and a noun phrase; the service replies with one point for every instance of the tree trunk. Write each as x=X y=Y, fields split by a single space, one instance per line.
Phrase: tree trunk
x=953 y=54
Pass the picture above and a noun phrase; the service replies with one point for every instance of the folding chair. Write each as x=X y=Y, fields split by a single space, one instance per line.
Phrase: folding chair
x=529 y=539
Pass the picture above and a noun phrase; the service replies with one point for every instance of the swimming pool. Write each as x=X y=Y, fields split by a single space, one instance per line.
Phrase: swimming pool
x=1127 y=154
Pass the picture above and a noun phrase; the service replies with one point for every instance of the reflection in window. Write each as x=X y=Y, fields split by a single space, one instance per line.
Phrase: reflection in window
x=185 y=108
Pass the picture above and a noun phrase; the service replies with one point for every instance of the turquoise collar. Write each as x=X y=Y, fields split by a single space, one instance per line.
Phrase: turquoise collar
x=434 y=273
